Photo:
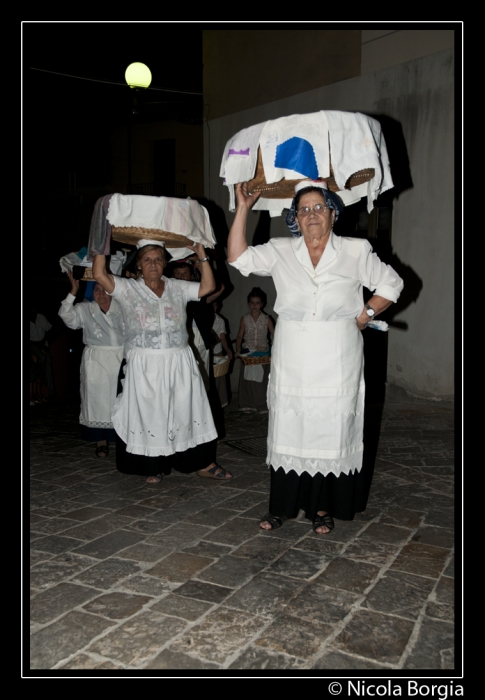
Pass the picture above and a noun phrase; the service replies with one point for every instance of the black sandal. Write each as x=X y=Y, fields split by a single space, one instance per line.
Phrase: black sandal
x=273 y=520
x=102 y=451
x=323 y=521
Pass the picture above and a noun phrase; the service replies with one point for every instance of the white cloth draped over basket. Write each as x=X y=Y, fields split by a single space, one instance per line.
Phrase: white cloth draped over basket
x=302 y=146
x=183 y=217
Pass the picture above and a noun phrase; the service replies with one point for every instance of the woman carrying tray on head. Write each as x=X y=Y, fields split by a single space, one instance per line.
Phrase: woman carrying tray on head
x=253 y=337
x=162 y=417
x=316 y=385
x=104 y=339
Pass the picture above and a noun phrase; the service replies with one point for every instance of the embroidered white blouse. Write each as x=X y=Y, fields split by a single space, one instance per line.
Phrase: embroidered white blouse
x=153 y=322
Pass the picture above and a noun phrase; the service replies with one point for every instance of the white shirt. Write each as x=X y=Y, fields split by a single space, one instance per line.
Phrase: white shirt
x=332 y=291
x=153 y=322
x=98 y=328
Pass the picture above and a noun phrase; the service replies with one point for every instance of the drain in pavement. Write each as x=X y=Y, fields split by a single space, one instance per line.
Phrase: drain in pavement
x=253 y=445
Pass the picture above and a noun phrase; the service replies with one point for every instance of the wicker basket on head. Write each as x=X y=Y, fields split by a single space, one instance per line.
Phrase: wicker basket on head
x=285 y=189
x=265 y=360
x=83 y=274
x=132 y=234
x=221 y=369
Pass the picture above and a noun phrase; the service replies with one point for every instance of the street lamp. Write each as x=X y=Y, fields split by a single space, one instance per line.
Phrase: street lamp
x=138 y=76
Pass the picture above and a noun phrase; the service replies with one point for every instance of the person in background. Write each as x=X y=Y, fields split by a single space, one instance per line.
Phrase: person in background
x=221 y=349
x=39 y=348
x=200 y=317
x=104 y=338
x=252 y=336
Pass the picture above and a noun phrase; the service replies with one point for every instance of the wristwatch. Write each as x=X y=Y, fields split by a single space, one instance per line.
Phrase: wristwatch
x=369 y=311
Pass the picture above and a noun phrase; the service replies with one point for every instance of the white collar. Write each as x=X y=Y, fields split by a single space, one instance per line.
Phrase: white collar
x=328 y=257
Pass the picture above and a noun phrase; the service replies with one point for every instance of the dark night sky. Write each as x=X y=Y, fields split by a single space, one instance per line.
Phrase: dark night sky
x=66 y=120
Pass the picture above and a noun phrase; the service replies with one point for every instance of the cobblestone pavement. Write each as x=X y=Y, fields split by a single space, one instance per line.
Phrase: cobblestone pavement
x=130 y=577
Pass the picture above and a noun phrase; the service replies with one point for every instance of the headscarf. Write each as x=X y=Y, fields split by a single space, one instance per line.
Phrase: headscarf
x=331 y=200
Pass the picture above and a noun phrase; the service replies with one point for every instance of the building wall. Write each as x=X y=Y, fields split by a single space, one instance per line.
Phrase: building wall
x=417 y=97
x=245 y=68
x=382 y=48
x=189 y=154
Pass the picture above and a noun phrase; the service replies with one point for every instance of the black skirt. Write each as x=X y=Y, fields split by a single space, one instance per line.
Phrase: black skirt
x=341 y=496
x=97 y=434
x=191 y=460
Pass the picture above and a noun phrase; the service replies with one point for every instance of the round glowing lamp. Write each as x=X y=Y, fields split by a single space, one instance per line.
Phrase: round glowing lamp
x=138 y=75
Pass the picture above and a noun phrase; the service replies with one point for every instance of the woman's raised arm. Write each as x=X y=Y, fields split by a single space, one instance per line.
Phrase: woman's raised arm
x=101 y=275
x=236 y=242
x=207 y=281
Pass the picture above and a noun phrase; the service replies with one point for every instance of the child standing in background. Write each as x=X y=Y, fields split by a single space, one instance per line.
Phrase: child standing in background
x=253 y=336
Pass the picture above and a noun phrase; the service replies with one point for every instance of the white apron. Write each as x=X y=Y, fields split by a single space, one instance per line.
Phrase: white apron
x=100 y=366
x=316 y=397
x=163 y=408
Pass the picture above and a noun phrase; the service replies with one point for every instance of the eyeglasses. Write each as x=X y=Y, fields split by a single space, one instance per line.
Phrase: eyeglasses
x=318 y=209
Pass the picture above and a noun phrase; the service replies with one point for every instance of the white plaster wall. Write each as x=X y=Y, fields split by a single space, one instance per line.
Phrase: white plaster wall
x=419 y=95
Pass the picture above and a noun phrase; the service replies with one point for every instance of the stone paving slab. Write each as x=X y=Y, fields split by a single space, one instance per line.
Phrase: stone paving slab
x=116 y=605
x=65 y=637
x=50 y=604
x=138 y=640
x=185 y=608
x=220 y=636
x=168 y=660
x=265 y=594
x=179 y=578
x=434 y=647
x=179 y=566
x=293 y=636
x=375 y=636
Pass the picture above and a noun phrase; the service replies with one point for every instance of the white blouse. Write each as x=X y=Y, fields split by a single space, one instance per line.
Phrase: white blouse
x=153 y=322
x=99 y=328
x=332 y=291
